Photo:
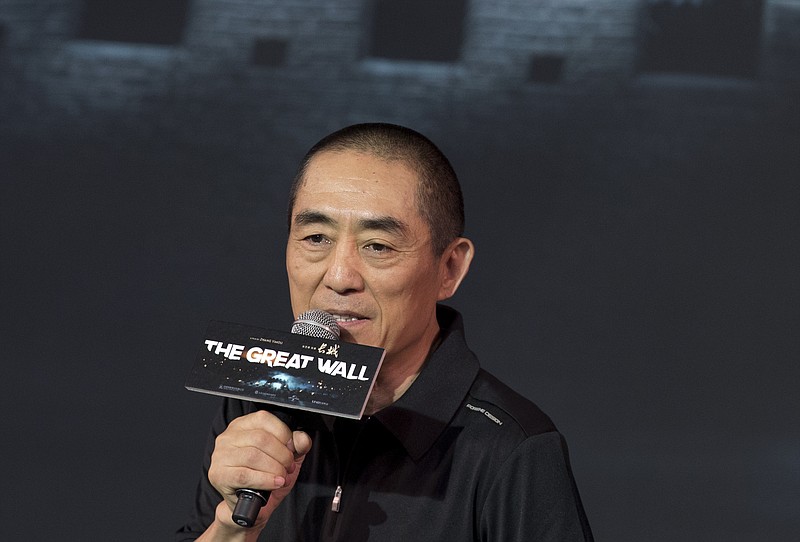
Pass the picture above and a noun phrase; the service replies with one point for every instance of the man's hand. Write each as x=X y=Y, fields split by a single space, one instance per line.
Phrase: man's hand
x=256 y=451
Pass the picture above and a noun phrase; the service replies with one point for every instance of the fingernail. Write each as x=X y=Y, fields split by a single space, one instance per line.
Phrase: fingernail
x=291 y=447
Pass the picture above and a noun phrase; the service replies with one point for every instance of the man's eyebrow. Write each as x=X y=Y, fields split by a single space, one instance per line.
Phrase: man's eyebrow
x=305 y=218
x=388 y=224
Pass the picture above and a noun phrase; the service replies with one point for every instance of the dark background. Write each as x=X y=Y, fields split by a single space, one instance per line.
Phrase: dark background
x=631 y=176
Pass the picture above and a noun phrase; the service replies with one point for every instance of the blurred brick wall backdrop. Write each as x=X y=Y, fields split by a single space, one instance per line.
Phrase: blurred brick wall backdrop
x=208 y=82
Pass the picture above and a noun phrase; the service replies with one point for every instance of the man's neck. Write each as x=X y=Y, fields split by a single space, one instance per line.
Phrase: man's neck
x=396 y=377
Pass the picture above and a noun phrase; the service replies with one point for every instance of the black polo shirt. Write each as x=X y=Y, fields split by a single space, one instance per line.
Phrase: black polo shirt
x=460 y=456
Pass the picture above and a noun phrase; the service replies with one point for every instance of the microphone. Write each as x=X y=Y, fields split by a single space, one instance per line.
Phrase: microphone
x=315 y=323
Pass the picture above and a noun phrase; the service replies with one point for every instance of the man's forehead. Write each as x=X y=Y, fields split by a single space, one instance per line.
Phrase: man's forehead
x=360 y=188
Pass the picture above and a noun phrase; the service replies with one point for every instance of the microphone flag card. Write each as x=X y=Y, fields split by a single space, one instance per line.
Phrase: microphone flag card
x=286 y=369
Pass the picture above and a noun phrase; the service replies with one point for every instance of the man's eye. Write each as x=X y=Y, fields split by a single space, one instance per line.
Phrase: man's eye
x=316 y=239
x=378 y=248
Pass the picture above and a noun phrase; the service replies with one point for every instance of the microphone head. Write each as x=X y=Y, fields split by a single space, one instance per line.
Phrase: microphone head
x=316 y=323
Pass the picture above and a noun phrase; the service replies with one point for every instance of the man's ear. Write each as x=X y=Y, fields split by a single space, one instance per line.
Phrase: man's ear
x=454 y=265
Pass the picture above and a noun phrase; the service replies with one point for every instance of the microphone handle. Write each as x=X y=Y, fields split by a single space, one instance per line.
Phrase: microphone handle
x=249 y=504
x=251 y=500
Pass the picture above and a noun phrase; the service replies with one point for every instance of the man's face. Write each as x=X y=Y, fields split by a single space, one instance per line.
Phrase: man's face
x=359 y=249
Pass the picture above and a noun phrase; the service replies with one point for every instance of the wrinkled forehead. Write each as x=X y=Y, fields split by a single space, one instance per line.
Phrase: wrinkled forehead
x=359 y=185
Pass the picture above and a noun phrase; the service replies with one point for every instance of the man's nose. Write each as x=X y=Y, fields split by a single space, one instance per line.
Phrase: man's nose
x=344 y=270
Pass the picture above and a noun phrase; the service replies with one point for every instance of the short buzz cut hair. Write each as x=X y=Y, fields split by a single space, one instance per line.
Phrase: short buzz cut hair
x=438 y=195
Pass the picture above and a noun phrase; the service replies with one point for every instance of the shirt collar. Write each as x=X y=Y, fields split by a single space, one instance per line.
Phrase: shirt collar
x=426 y=408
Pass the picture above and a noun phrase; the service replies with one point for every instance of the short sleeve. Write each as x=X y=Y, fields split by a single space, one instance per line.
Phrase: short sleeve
x=534 y=496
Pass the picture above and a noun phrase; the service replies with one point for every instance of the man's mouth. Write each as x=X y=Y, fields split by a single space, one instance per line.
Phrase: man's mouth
x=343 y=318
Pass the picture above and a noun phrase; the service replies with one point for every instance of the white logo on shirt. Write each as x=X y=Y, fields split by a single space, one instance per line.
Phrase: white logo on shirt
x=485 y=413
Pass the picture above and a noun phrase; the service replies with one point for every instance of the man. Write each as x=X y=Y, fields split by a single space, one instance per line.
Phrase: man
x=445 y=451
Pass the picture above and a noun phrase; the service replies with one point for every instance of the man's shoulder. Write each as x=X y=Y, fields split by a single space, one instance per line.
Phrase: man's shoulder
x=506 y=408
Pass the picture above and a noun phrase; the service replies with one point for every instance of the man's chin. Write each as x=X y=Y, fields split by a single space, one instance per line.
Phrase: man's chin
x=358 y=338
